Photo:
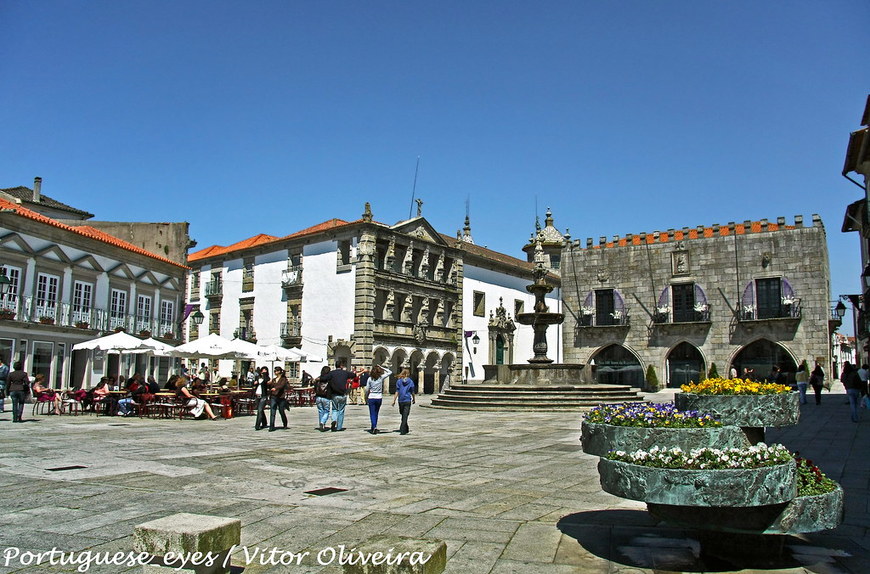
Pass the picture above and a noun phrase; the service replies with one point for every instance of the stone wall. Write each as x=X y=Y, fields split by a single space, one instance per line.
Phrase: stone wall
x=721 y=260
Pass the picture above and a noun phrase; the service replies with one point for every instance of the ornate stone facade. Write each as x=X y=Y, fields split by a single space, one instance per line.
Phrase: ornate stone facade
x=739 y=295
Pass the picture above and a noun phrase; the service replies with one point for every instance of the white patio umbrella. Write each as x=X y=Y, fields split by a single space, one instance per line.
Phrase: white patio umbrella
x=119 y=342
x=277 y=353
x=212 y=346
x=159 y=348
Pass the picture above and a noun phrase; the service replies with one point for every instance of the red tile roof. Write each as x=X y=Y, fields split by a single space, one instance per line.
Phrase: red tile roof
x=263 y=239
x=83 y=230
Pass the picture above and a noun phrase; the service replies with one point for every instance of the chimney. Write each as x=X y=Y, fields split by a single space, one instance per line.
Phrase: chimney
x=37 y=189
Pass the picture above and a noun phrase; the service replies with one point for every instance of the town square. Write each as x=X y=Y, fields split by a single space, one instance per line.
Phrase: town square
x=485 y=287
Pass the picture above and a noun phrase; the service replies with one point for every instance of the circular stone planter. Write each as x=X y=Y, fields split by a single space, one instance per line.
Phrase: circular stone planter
x=802 y=514
x=745 y=410
x=599 y=438
x=730 y=487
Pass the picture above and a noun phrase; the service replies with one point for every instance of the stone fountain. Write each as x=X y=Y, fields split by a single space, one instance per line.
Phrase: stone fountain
x=540 y=383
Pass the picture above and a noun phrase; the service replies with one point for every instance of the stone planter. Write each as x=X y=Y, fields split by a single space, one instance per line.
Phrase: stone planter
x=600 y=438
x=811 y=513
x=725 y=488
x=802 y=514
x=745 y=410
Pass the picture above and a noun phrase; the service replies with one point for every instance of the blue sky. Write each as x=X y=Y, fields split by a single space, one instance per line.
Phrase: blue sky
x=623 y=117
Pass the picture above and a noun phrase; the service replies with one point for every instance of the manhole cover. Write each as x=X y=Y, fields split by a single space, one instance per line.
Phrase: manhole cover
x=65 y=468
x=325 y=491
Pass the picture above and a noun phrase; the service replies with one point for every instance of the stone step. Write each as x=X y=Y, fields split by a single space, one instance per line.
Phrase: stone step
x=515 y=397
x=536 y=393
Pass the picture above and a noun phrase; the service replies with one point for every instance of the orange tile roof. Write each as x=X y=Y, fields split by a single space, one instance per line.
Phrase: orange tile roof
x=83 y=230
x=680 y=235
x=263 y=239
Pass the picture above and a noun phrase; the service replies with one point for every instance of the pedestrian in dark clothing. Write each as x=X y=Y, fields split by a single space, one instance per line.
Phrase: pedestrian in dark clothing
x=261 y=395
x=338 y=384
x=852 y=382
x=278 y=387
x=817 y=381
x=18 y=385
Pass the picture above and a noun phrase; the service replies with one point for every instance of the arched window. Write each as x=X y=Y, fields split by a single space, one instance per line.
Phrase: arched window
x=761 y=356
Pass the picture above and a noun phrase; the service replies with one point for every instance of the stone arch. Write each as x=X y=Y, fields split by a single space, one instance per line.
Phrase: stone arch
x=447 y=375
x=431 y=373
x=617 y=365
x=381 y=356
x=684 y=364
x=397 y=362
x=760 y=355
x=341 y=349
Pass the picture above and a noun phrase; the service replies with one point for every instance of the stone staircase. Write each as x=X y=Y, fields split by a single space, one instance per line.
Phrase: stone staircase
x=483 y=397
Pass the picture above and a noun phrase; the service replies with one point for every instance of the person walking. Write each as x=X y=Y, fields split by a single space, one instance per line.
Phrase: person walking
x=261 y=394
x=853 y=384
x=4 y=375
x=374 y=385
x=277 y=401
x=817 y=381
x=322 y=398
x=338 y=385
x=802 y=378
x=405 y=397
x=18 y=385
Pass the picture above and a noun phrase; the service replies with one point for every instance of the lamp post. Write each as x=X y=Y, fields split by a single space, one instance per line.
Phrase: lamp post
x=5 y=283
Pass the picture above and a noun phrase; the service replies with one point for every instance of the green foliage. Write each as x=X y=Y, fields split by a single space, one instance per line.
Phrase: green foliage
x=713 y=373
x=652 y=380
x=811 y=480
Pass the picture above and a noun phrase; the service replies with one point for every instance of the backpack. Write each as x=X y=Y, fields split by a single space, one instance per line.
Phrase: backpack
x=321 y=387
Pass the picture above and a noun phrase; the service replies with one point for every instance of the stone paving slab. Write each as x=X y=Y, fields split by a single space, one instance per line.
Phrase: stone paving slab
x=507 y=492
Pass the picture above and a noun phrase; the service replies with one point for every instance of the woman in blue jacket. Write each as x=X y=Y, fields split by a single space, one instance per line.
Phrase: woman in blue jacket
x=405 y=397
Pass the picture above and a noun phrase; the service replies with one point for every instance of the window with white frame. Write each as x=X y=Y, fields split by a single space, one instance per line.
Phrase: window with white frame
x=10 y=299
x=167 y=314
x=47 y=287
x=143 y=311
x=83 y=301
x=118 y=308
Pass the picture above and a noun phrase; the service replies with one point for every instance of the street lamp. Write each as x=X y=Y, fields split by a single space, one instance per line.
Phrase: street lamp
x=198 y=317
x=865 y=277
x=840 y=309
x=475 y=339
x=5 y=283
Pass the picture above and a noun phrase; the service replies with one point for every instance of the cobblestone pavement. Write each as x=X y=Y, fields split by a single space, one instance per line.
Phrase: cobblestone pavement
x=508 y=492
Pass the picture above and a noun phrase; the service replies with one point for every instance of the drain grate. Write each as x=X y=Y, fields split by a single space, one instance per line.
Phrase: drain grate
x=325 y=491
x=59 y=468
x=119 y=424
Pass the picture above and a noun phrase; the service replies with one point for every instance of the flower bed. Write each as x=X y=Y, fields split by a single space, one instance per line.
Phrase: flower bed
x=754 y=476
x=720 y=386
x=641 y=426
x=650 y=415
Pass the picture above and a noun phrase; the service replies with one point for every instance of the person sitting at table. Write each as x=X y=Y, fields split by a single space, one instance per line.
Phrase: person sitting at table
x=153 y=385
x=96 y=394
x=134 y=387
x=170 y=384
x=195 y=405
x=44 y=394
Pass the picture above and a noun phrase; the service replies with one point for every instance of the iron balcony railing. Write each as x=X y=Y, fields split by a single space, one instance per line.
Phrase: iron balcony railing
x=681 y=316
x=214 y=289
x=615 y=319
x=47 y=312
x=790 y=309
x=290 y=330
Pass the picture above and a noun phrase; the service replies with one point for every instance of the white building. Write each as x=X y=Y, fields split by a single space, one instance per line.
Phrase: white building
x=402 y=295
